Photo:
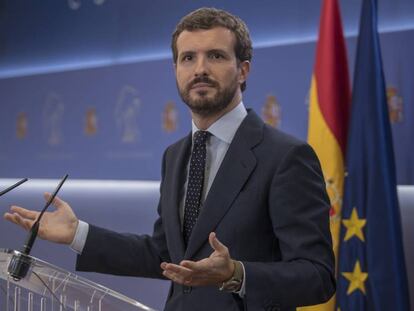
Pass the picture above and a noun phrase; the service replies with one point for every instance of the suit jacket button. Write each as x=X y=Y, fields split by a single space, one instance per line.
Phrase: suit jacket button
x=187 y=289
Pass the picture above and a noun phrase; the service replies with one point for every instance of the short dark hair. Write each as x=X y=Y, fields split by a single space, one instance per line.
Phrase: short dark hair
x=208 y=18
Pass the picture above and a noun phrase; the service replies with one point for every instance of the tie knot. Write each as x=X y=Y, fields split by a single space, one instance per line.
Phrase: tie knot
x=200 y=137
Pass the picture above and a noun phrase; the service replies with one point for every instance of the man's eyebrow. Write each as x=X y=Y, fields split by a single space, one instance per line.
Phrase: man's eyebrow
x=209 y=51
x=218 y=51
x=187 y=52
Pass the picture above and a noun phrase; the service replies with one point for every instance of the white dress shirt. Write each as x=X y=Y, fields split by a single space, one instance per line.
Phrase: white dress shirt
x=222 y=133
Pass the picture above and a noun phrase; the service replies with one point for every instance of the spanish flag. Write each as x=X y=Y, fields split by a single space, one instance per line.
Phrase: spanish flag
x=330 y=98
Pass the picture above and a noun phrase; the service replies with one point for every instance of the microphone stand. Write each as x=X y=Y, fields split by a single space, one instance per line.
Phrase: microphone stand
x=13 y=186
x=20 y=263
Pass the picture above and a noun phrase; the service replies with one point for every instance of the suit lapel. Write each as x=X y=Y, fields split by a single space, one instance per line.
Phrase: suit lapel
x=175 y=189
x=234 y=171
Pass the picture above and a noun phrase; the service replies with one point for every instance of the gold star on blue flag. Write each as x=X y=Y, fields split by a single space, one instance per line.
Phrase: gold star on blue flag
x=356 y=279
x=354 y=226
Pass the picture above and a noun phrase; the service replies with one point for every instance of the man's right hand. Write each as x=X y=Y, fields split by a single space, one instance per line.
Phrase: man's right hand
x=58 y=226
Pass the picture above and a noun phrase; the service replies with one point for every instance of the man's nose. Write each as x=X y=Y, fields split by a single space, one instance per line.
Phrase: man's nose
x=201 y=68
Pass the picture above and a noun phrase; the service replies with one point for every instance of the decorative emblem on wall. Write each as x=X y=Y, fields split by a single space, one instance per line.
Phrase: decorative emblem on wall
x=53 y=110
x=91 y=124
x=169 y=117
x=395 y=105
x=271 y=111
x=127 y=109
x=21 y=125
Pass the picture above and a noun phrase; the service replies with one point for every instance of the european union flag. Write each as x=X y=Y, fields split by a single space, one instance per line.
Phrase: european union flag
x=371 y=271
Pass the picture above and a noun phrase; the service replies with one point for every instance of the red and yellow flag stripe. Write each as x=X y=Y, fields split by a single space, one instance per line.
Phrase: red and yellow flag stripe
x=330 y=98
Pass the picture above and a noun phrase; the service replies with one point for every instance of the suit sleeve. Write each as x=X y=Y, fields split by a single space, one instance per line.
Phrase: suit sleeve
x=299 y=211
x=110 y=252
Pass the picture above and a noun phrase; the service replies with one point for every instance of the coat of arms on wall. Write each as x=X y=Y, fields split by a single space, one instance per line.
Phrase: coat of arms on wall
x=271 y=111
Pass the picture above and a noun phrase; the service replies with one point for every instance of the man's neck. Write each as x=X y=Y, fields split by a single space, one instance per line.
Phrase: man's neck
x=204 y=122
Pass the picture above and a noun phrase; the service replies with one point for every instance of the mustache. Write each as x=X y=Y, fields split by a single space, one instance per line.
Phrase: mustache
x=202 y=79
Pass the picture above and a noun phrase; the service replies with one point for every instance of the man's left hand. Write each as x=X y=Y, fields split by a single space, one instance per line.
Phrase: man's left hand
x=213 y=270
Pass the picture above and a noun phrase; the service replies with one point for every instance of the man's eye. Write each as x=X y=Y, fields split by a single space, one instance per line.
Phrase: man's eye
x=216 y=56
x=186 y=58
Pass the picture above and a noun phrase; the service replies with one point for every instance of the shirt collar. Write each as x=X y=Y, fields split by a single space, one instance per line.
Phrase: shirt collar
x=225 y=128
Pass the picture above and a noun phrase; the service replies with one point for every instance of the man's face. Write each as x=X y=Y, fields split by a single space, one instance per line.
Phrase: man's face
x=208 y=75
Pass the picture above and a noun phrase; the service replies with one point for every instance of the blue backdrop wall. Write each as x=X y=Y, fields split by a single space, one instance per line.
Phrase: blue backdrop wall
x=87 y=88
x=113 y=122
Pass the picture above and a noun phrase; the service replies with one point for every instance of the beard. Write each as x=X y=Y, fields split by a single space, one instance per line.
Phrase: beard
x=204 y=105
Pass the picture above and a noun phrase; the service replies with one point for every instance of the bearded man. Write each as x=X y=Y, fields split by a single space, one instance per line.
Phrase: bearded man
x=243 y=213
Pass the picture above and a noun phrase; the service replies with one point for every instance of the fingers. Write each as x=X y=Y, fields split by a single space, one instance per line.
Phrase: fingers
x=176 y=273
x=18 y=220
x=176 y=269
x=190 y=265
x=21 y=216
x=25 y=213
x=202 y=275
x=216 y=244
x=203 y=266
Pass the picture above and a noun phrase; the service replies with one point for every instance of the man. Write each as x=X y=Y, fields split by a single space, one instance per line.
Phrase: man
x=243 y=213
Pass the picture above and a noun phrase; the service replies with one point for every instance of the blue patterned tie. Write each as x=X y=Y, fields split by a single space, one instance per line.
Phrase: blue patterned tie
x=195 y=183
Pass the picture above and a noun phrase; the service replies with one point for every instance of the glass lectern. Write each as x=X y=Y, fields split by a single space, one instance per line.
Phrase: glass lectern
x=49 y=288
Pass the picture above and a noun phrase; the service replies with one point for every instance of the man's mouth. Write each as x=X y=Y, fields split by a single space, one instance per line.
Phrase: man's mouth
x=201 y=85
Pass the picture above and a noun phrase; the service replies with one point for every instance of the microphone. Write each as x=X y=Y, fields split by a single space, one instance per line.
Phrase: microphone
x=13 y=186
x=21 y=262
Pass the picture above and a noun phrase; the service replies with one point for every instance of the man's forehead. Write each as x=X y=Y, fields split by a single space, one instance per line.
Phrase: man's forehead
x=214 y=38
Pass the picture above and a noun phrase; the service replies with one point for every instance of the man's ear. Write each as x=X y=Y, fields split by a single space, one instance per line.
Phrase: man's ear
x=175 y=67
x=244 y=68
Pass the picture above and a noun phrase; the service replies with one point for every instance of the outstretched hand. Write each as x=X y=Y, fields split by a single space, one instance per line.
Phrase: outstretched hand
x=58 y=226
x=214 y=270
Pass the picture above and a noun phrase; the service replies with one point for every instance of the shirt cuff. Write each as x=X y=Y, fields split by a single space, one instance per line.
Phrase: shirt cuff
x=81 y=234
x=242 y=291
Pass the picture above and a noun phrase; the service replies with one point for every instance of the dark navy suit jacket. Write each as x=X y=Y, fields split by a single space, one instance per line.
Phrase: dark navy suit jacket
x=267 y=204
